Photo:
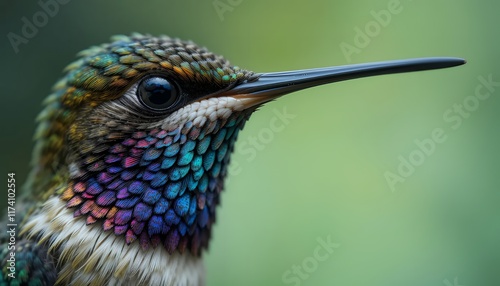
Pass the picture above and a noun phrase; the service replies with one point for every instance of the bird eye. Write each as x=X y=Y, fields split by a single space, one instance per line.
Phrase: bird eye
x=157 y=93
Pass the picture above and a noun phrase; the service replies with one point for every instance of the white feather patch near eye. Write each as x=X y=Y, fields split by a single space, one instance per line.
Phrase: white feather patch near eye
x=199 y=112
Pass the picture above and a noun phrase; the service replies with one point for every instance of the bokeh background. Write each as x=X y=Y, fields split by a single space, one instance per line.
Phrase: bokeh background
x=323 y=174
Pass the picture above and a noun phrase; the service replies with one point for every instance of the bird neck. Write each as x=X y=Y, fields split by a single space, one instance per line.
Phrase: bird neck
x=88 y=256
x=159 y=187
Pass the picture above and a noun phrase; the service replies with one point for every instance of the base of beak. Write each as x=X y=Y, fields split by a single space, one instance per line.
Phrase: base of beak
x=252 y=100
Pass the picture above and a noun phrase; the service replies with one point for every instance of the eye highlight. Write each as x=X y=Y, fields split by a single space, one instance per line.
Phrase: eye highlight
x=157 y=93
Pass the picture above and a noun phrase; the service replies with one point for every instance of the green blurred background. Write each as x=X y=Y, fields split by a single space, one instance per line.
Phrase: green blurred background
x=323 y=174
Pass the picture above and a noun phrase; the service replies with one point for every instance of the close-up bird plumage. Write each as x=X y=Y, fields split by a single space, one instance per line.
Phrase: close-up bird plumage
x=132 y=149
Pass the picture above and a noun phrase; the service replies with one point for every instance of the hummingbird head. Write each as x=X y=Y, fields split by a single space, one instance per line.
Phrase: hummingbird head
x=137 y=136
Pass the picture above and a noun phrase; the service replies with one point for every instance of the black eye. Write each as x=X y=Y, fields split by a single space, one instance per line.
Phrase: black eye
x=157 y=93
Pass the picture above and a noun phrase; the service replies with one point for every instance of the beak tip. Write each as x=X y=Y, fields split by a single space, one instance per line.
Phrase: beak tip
x=458 y=61
x=439 y=63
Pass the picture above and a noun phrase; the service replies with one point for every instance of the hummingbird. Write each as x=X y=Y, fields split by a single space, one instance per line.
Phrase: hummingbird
x=132 y=149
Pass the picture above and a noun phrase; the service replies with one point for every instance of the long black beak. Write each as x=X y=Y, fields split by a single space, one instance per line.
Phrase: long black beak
x=271 y=85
